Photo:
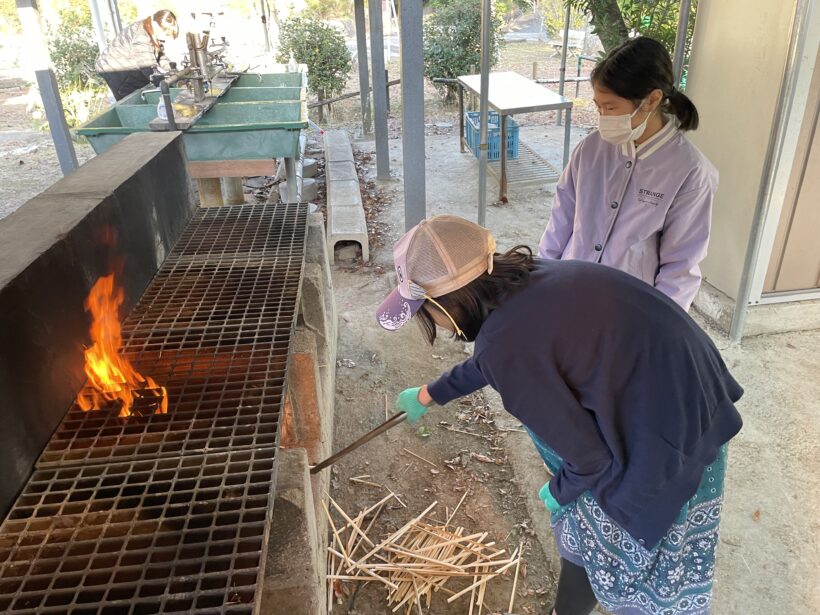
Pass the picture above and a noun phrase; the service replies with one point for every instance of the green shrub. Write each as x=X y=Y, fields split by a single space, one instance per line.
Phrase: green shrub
x=8 y=17
x=452 y=41
x=319 y=46
x=73 y=49
x=329 y=9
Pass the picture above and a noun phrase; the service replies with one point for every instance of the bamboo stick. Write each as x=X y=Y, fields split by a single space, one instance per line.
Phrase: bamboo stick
x=515 y=578
x=400 y=532
x=420 y=458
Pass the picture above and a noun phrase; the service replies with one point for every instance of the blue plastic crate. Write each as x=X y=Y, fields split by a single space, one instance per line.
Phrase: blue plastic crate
x=471 y=130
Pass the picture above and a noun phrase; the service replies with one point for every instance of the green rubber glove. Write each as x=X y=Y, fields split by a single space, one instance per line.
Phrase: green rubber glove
x=408 y=401
x=550 y=502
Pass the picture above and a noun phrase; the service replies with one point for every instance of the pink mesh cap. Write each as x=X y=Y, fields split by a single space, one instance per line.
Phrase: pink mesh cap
x=434 y=258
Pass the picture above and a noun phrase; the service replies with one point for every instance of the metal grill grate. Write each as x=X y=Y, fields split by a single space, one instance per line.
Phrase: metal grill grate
x=172 y=535
x=214 y=329
x=168 y=513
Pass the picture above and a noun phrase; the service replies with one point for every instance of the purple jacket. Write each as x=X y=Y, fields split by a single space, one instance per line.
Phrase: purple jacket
x=642 y=209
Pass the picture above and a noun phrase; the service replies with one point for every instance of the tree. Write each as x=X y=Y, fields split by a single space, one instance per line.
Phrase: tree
x=319 y=46
x=606 y=19
x=613 y=20
x=452 y=41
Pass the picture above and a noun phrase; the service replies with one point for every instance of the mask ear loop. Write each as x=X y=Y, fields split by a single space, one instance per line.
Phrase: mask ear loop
x=459 y=332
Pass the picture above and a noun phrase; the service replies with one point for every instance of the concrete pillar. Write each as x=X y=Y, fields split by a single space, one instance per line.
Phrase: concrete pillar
x=380 y=89
x=232 y=191
x=412 y=112
x=364 y=79
x=37 y=52
x=210 y=192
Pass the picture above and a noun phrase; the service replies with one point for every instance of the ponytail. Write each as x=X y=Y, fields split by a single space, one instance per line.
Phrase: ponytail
x=640 y=66
x=679 y=105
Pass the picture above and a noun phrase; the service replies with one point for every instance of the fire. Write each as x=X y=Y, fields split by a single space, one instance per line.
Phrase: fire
x=111 y=375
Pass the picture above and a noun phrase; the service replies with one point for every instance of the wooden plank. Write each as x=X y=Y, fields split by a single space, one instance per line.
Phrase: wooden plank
x=231 y=168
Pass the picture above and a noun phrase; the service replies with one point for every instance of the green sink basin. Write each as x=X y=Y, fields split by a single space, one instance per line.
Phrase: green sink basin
x=250 y=122
x=273 y=80
x=261 y=94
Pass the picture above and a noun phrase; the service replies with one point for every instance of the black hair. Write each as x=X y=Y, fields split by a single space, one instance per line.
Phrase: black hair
x=163 y=14
x=637 y=67
x=470 y=305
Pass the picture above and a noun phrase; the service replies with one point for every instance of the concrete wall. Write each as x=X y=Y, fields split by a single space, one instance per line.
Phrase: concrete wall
x=294 y=574
x=121 y=212
x=738 y=55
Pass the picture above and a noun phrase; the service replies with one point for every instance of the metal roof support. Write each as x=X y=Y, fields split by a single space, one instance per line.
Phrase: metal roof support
x=361 y=60
x=483 y=109
x=37 y=50
x=782 y=109
x=99 y=30
x=680 y=40
x=412 y=112
x=564 y=52
x=379 y=89
x=264 y=15
x=114 y=10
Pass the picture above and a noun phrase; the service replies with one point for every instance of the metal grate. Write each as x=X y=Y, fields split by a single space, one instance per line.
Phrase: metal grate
x=214 y=329
x=169 y=513
x=171 y=535
x=528 y=169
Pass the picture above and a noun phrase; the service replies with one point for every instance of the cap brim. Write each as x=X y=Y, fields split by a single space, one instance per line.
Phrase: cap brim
x=396 y=311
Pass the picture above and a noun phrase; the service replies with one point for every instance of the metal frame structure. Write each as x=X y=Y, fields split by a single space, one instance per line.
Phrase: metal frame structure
x=29 y=15
x=379 y=90
x=159 y=513
x=412 y=112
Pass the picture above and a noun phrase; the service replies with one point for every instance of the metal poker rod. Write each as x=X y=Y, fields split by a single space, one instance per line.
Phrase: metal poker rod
x=391 y=422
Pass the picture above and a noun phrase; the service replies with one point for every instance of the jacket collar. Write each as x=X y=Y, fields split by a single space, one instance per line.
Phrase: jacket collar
x=652 y=144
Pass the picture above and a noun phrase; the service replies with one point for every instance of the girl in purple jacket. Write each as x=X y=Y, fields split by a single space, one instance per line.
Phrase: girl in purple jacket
x=636 y=194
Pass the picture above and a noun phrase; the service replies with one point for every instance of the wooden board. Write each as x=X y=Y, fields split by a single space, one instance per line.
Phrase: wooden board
x=231 y=168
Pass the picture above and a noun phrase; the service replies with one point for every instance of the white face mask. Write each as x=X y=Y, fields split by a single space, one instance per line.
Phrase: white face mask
x=617 y=129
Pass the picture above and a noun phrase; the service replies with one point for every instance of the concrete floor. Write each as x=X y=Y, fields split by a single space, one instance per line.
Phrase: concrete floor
x=768 y=561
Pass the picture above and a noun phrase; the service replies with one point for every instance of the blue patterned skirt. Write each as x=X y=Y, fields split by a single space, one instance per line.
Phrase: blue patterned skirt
x=672 y=578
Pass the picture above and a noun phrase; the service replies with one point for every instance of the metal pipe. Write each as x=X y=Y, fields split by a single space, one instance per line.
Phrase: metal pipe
x=788 y=84
x=412 y=112
x=680 y=40
x=391 y=422
x=361 y=60
x=99 y=30
x=483 y=111
x=335 y=99
x=265 y=25
x=379 y=90
x=40 y=60
x=164 y=88
x=114 y=11
x=564 y=51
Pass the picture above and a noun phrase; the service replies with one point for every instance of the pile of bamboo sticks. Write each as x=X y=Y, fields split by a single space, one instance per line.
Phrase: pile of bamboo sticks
x=415 y=561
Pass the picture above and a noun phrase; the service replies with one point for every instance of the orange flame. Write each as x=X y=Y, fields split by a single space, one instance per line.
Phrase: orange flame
x=111 y=375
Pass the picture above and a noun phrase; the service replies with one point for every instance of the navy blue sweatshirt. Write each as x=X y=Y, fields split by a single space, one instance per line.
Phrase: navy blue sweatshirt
x=617 y=379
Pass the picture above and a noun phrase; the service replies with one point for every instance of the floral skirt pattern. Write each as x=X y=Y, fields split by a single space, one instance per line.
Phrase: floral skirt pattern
x=672 y=578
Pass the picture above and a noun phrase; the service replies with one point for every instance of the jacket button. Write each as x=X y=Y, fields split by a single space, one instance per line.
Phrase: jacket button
x=614 y=204
x=629 y=164
x=598 y=247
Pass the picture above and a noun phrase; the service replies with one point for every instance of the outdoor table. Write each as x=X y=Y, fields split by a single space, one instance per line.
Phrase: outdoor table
x=511 y=93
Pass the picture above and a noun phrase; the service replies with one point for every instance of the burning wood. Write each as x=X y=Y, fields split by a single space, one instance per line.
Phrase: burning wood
x=415 y=561
x=111 y=377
